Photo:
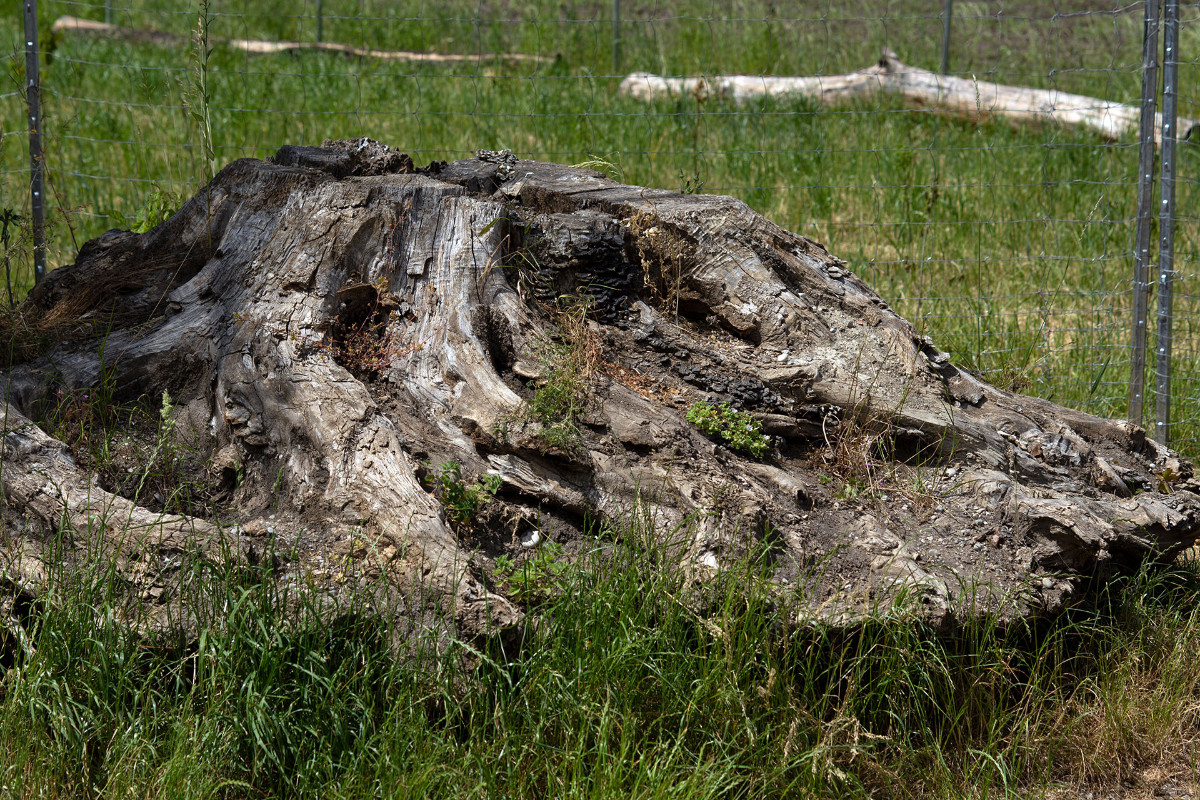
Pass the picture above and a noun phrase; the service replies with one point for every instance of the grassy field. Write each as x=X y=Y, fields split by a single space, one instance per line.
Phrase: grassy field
x=632 y=683
x=1010 y=245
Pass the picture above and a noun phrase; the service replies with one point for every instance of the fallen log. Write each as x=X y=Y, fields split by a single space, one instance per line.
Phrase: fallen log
x=68 y=24
x=973 y=98
x=340 y=339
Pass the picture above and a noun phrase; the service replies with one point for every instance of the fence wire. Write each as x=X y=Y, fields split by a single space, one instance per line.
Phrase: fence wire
x=1009 y=243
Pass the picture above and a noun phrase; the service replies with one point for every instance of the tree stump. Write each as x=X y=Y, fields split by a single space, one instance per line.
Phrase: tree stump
x=346 y=357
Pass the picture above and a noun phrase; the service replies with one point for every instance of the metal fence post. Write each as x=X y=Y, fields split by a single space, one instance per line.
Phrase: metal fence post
x=1145 y=213
x=1166 y=221
x=33 y=101
x=947 y=16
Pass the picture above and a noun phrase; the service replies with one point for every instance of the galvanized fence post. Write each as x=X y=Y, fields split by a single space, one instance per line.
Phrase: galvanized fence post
x=1166 y=221
x=1145 y=213
x=33 y=101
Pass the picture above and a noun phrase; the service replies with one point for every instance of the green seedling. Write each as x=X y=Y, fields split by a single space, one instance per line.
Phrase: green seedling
x=538 y=578
x=157 y=209
x=460 y=500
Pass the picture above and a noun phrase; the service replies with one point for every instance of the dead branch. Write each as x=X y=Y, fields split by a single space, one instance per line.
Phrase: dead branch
x=973 y=98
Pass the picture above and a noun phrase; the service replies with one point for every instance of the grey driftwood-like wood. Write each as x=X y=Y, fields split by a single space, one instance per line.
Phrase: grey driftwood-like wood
x=259 y=47
x=891 y=471
x=966 y=96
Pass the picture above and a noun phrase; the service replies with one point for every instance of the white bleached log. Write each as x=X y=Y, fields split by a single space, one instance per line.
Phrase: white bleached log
x=968 y=96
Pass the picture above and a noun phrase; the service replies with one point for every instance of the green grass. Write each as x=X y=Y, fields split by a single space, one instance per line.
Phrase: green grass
x=631 y=683
x=1009 y=244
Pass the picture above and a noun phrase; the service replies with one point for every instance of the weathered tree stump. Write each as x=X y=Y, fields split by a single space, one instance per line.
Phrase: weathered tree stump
x=332 y=327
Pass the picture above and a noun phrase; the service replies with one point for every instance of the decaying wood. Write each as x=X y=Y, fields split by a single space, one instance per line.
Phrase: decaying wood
x=973 y=98
x=68 y=24
x=890 y=470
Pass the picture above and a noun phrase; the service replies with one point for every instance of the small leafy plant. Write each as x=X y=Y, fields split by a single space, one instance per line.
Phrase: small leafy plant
x=461 y=501
x=556 y=404
x=156 y=209
x=536 y=578
x=737 y=429
x=690 y=184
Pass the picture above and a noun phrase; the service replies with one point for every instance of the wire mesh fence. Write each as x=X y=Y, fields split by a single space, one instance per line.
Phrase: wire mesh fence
x=1008 y=242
